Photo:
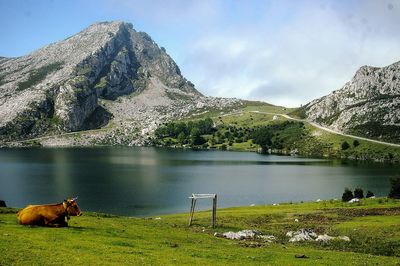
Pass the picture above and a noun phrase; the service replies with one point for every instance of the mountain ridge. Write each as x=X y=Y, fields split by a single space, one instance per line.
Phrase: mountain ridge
x=368 y=105
x=111 y=77
x=67 y=86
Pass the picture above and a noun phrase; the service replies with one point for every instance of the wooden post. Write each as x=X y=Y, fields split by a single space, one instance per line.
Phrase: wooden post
x=214 y=213
x=194 y=198
x=193 y=205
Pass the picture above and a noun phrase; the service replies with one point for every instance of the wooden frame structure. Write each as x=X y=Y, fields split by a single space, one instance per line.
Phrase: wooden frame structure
x=195 y=197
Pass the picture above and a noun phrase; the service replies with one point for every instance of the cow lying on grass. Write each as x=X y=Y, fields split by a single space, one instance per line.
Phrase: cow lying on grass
x=50 y=214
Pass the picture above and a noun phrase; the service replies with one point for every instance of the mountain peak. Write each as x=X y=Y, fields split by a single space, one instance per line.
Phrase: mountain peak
x=61 y=86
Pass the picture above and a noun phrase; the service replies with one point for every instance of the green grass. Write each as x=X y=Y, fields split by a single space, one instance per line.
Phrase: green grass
x=265 y=107
x=93 y=239
x=245 y=119
x=366 y=149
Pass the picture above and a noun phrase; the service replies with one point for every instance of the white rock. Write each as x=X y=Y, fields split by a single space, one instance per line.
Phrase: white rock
x=301 y=235
x=239 y=235
x=246 y=234
x=267 y=238
x=324 y=238
x=354 y=200
x=344 y=238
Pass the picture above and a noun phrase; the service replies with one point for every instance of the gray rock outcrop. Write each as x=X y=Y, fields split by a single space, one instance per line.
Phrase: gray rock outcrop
x=368 y=105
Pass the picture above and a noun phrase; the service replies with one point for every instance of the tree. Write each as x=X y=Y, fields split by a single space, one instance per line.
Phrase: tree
x=369 y=194
x=196 y=138
x=394 y=188
x=358 y=193
x=182 y=138
x=347 y=195
x=179 y=127
x=206 y=126
x=356 y=143
x=262 y=137
x=213 y=141
x=345 y=146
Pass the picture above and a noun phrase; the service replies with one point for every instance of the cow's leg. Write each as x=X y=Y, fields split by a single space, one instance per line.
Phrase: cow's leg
x=63 y=223
x=47 y=222
x=60 y=222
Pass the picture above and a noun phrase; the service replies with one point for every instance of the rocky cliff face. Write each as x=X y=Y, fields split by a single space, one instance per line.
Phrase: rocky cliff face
x=368 y=105
x=92 y=79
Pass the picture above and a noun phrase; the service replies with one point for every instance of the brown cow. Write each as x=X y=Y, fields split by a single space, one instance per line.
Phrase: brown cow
x=50 y=214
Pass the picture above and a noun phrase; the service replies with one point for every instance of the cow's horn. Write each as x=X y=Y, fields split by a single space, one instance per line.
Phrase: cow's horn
x=75 y=198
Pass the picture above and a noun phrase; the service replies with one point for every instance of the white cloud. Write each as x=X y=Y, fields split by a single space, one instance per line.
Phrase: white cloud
x=283 y=52
x=316 y=50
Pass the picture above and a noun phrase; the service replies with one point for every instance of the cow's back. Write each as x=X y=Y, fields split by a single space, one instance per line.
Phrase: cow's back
x=30 y=215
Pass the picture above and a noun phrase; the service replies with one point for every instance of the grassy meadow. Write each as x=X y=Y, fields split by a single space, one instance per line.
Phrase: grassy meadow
x=373 y=226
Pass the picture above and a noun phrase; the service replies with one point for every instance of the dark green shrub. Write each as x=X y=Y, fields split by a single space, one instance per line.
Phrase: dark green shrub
x=358 y=193
x=196 y=138
x=262 y=137
x=182 y=138
x=356 y=143
x=345 y=145
x=347 y=195
x=369 y=194
x=394 y=188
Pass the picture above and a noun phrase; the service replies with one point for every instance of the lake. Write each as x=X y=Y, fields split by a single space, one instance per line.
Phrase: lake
x=152 y=181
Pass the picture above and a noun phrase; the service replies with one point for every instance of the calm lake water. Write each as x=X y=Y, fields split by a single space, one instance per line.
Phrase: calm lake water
x=151 y=181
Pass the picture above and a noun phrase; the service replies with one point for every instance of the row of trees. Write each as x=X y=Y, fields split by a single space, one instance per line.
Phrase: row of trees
x=187 y=132
x=359 y=193
x=269 y=136
x=275 y=136
x=173 y=130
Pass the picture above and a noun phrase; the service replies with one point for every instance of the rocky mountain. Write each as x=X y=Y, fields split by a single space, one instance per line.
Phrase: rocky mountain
x=368 y=105
x=110 y=82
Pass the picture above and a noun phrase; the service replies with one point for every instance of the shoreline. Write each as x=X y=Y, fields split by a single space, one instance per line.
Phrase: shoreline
x=379 y=159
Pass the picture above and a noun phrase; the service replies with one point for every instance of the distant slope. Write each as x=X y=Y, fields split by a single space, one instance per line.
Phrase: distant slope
x=368 y=105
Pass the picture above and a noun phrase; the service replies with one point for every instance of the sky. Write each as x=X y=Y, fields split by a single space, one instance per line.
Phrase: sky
x=283 y=52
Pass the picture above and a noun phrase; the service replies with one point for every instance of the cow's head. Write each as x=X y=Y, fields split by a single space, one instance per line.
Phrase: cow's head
x=71 y=207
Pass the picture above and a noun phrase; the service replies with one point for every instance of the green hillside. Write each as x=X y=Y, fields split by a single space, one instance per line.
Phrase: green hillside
x=236 y=131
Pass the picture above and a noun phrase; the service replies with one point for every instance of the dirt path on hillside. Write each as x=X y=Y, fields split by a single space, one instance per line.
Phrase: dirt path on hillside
x=328 y=129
